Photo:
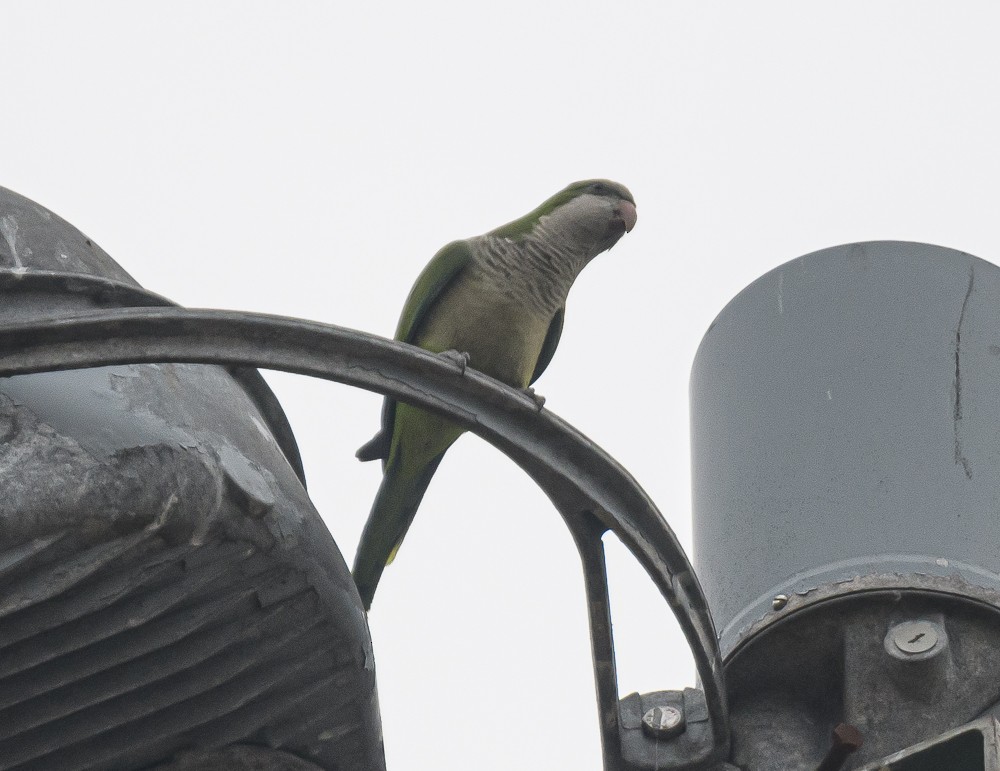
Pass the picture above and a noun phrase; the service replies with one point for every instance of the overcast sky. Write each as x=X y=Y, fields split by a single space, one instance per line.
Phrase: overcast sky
x=307 y=159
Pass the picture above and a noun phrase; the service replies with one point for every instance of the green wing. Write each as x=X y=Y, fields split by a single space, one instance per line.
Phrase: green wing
x=439 y=274
x=550 y=344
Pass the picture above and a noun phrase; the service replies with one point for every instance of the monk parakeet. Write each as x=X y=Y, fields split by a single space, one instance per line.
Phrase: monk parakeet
x=497 y=301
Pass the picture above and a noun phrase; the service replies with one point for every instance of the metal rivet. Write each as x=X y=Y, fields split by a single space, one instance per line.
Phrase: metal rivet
x=779 y=601
x=663 y=722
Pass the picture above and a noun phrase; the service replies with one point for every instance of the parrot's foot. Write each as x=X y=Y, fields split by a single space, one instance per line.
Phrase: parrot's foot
x=538 y=399
x=459 y=358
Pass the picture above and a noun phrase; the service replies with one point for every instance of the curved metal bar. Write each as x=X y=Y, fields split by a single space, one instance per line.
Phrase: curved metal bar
x=582 y=480
x=109 y=292
x=103 y=291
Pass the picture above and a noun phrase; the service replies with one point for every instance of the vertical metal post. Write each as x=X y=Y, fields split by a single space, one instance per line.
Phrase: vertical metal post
x=587 y=533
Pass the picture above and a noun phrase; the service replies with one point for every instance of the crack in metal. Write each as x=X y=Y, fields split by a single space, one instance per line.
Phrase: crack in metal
x=960 y=458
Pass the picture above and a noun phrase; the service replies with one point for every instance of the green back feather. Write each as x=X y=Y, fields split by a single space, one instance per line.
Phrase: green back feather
x=522 y=226
x=440 y=273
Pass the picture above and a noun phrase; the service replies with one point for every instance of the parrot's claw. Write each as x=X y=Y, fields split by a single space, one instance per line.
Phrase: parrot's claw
x=538 y=399
x=459 y=358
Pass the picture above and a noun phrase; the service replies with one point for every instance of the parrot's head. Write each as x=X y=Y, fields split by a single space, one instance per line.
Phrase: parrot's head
x=590 y=215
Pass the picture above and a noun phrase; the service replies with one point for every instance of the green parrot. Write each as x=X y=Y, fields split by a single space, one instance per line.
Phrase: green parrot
x=496 y=301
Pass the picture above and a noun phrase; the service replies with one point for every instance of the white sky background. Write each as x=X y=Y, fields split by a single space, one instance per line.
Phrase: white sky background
x=307 y=159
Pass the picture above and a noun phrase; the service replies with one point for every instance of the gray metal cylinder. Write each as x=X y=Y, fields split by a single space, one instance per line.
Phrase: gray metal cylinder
x=846 y=433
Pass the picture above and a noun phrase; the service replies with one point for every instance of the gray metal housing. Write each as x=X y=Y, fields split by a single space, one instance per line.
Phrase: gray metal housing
x=845 y=417
x=846 y=463
x=166 y=585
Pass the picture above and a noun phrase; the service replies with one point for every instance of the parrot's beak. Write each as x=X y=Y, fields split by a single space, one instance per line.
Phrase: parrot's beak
x=622 y=220
x=626 y=210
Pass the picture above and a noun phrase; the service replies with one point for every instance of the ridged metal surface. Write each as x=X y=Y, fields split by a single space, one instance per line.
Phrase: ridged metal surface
x=167 y=588
x=141 y=647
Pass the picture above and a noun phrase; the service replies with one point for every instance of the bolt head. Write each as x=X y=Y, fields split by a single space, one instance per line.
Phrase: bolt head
x=779 y=601
x=914 y=640
x=663 y=722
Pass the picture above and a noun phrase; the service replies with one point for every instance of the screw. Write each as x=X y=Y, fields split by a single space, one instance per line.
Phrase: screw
x=846 y=740
x=779 y=601
x=913 y=637
x=663 y=722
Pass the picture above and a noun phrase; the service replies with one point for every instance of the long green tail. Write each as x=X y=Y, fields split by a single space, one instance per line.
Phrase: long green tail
x=392 y=512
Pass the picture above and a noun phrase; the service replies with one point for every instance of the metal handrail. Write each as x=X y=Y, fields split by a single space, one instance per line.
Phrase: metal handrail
x=591 y=490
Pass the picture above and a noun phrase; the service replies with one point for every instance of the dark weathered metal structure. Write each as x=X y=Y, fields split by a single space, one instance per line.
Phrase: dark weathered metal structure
x=165 y=583
x=169 y=596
